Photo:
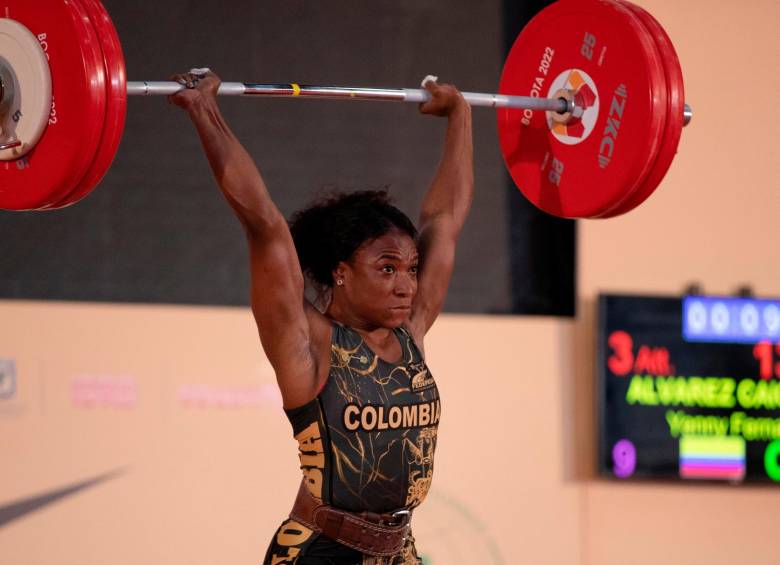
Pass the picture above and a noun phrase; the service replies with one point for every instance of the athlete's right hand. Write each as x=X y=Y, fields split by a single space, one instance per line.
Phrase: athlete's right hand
x=200 y=86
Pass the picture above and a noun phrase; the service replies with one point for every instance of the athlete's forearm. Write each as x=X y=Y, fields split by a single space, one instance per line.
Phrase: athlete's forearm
x=452 y=188
x=234 y=170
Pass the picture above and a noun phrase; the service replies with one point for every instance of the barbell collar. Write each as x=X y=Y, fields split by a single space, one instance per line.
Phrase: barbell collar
x=8 y=144
x=687 y=115
x=6 y=89
x=352 y=93
x=7 y=139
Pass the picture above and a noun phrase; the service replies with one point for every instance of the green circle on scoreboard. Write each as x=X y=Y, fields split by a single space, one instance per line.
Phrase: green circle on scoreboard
x=772 y=460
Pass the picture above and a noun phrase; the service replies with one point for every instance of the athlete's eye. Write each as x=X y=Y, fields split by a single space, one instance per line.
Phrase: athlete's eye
x=388 y=269
x=414 y=269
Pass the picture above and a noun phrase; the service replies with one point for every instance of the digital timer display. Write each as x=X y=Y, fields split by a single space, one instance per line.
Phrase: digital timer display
x=689 y=388
x=734 y=320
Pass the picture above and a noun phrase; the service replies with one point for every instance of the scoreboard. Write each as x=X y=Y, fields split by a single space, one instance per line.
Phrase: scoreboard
x=689 y=388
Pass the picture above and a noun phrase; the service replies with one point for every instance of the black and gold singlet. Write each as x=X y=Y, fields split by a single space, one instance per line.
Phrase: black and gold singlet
x=365 y=443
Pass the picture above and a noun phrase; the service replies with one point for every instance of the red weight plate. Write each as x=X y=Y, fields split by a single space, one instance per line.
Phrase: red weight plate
x=600 y=51
x=661 y=92
x=116 y=101
x=66 y=149
x=676 y=107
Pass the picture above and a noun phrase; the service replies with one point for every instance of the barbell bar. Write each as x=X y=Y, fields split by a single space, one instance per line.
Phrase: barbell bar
x=590 y=104
x=560 y=105
x=414 y=95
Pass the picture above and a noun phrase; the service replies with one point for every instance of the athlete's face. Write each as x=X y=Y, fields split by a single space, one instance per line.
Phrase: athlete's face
x=380 y=280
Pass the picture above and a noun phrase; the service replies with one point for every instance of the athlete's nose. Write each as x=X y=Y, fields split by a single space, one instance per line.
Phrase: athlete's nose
x=405 y=284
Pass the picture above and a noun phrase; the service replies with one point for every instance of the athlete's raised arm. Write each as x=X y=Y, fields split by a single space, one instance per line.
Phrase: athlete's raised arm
x=277 y=282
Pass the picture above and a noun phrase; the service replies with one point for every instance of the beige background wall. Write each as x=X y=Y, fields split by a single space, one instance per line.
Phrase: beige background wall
x=208 y=481
x=180 y=403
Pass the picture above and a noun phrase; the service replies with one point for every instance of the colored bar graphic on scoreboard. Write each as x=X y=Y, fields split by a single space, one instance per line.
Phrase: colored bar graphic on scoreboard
x=730 y=320
x=712 y=457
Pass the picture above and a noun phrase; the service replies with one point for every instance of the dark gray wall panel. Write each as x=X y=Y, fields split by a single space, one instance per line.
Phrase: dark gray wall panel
x=157 y=229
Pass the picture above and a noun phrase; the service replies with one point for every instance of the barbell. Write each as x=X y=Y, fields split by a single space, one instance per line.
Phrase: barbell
x=590 y=105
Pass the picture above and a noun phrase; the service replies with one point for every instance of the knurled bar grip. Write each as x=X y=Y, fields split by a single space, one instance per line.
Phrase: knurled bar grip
x=388 y=94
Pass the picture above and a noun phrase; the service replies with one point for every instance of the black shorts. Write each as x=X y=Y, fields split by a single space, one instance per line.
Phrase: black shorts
x=294 y=543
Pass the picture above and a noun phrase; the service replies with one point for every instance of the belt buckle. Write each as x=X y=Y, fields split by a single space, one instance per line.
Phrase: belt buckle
x=398 y=516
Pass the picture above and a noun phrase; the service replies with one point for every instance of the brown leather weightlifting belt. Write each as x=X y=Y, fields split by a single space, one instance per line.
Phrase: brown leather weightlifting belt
x=380 y=535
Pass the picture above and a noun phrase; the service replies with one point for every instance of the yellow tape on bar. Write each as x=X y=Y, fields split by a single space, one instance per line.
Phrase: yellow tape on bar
x=296 y=89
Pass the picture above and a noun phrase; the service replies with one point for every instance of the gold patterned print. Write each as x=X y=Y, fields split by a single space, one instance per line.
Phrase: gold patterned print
x=421 y=455
x=342 y=358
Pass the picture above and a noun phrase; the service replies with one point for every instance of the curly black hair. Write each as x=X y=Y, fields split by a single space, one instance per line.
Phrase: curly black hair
x=331 y=229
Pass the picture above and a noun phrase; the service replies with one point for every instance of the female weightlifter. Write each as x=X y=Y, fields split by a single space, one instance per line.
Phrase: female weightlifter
x=362 y=403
